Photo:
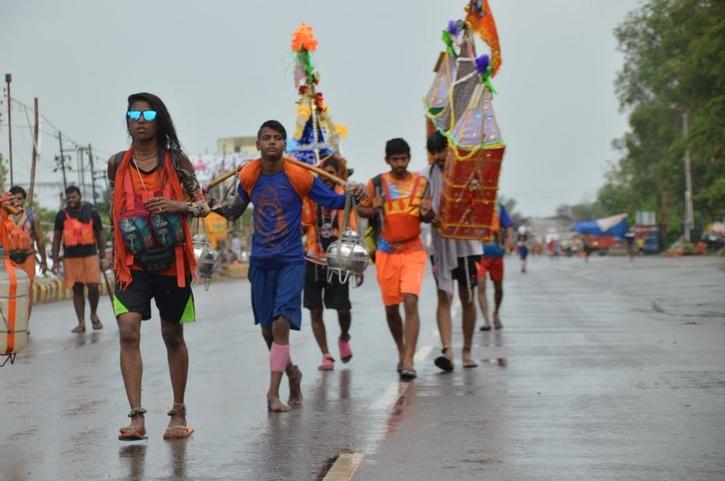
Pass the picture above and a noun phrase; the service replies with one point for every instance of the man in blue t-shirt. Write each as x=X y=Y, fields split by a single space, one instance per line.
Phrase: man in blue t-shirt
x=276 y=187
x=492 y=263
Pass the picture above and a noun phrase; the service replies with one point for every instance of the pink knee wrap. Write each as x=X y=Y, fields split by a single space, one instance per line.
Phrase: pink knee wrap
x=279 y=357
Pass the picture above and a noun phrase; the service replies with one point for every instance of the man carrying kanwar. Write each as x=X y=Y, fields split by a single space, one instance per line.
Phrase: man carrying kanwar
x=454 y=261
x=322 y=227
x=276 y=187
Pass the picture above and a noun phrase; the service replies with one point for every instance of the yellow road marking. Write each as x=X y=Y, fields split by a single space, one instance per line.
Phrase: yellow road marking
x=344 y=467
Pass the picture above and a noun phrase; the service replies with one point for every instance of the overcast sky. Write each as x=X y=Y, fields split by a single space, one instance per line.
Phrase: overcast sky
x=223 y=67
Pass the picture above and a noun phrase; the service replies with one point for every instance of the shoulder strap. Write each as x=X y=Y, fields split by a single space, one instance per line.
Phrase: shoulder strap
x=26 y=217
x=378 y=184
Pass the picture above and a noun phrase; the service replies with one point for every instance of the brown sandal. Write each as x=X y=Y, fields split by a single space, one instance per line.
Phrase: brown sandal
x=133 y=433
x=178 y=432
x=79 y=329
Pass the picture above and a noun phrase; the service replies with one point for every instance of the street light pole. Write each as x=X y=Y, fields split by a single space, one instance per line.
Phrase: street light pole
x=689 y=212
x=8 y=79
x=62 y=160
x=93 y=173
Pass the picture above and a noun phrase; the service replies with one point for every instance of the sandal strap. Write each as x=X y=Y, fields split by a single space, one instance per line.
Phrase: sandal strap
x=139 y=411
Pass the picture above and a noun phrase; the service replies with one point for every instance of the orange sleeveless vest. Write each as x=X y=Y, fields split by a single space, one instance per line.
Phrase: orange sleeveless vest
x=124 y=197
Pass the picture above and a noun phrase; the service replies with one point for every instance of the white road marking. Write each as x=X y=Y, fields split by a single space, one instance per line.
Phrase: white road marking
x=393 y=393
x=422 y=353
x=391 y=396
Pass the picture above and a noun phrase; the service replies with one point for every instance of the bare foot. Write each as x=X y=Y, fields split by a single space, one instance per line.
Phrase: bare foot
x=96 y=322
x=79 y=329
x=295 y=386
x=276 y=406
x=466 y=358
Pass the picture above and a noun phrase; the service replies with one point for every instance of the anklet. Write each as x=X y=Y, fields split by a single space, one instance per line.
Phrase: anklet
x=136 y=412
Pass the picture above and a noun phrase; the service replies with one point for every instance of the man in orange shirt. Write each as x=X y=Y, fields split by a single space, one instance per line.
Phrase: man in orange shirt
x=401 y=198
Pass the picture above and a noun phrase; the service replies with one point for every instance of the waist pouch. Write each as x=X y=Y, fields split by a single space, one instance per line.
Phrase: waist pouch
x=154 y=260
x=18 y=257
x=142 y=232
x=167 y=229
x=136 y=232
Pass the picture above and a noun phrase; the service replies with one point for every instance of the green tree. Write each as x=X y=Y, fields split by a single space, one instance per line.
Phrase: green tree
x=3 y=173
x=674 y=64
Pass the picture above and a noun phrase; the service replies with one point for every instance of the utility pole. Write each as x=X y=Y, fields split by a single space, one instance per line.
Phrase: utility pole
x=689 y=212
x=36 y=140
x=81 y=173
x=62 y=160
x=8 y=79
x=93 y=174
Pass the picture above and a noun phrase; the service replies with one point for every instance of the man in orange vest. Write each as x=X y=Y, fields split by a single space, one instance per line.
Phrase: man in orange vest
x=27 y=225
x=403 y=199
x=79 y=228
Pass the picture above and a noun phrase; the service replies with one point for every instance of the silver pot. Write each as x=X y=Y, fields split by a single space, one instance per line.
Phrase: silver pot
x=206 y=258
x=348 y=254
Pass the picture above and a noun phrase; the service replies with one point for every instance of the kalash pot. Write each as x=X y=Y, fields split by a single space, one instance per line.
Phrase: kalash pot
x=348 y=254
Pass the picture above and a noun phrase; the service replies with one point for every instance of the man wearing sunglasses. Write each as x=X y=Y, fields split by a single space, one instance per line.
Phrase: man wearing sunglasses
x=154 y=192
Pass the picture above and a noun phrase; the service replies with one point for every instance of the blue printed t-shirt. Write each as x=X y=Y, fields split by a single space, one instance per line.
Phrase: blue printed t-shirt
x=277 y=238
x=501 y=221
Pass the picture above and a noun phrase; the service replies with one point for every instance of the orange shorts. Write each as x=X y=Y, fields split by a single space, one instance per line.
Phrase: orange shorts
x=86 y=270
x=400 y=273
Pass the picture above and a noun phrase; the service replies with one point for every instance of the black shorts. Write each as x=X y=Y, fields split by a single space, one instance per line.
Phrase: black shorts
x=175 y=304
x=336 y=295
x=459 y=273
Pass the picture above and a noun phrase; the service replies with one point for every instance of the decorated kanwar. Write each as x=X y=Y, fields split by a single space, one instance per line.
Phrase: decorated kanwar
x=459 y=106
x=465 y=150
x=317 y=140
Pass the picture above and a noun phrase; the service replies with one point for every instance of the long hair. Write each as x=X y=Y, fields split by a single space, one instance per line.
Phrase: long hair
x=165 y=132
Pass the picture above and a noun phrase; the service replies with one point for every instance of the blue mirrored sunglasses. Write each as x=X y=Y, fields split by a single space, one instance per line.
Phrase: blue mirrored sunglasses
x=148 y=115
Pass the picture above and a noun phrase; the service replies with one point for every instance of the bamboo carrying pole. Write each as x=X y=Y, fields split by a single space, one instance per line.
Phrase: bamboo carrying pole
x=317 y=170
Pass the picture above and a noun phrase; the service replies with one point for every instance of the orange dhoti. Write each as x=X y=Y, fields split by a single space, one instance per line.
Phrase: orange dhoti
x=85 y=270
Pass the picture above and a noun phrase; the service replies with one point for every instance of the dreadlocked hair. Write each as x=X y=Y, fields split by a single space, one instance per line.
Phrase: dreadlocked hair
x=166 y=132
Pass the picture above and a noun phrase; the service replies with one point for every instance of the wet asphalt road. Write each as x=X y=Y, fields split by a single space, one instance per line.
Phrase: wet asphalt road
x=602 y=372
